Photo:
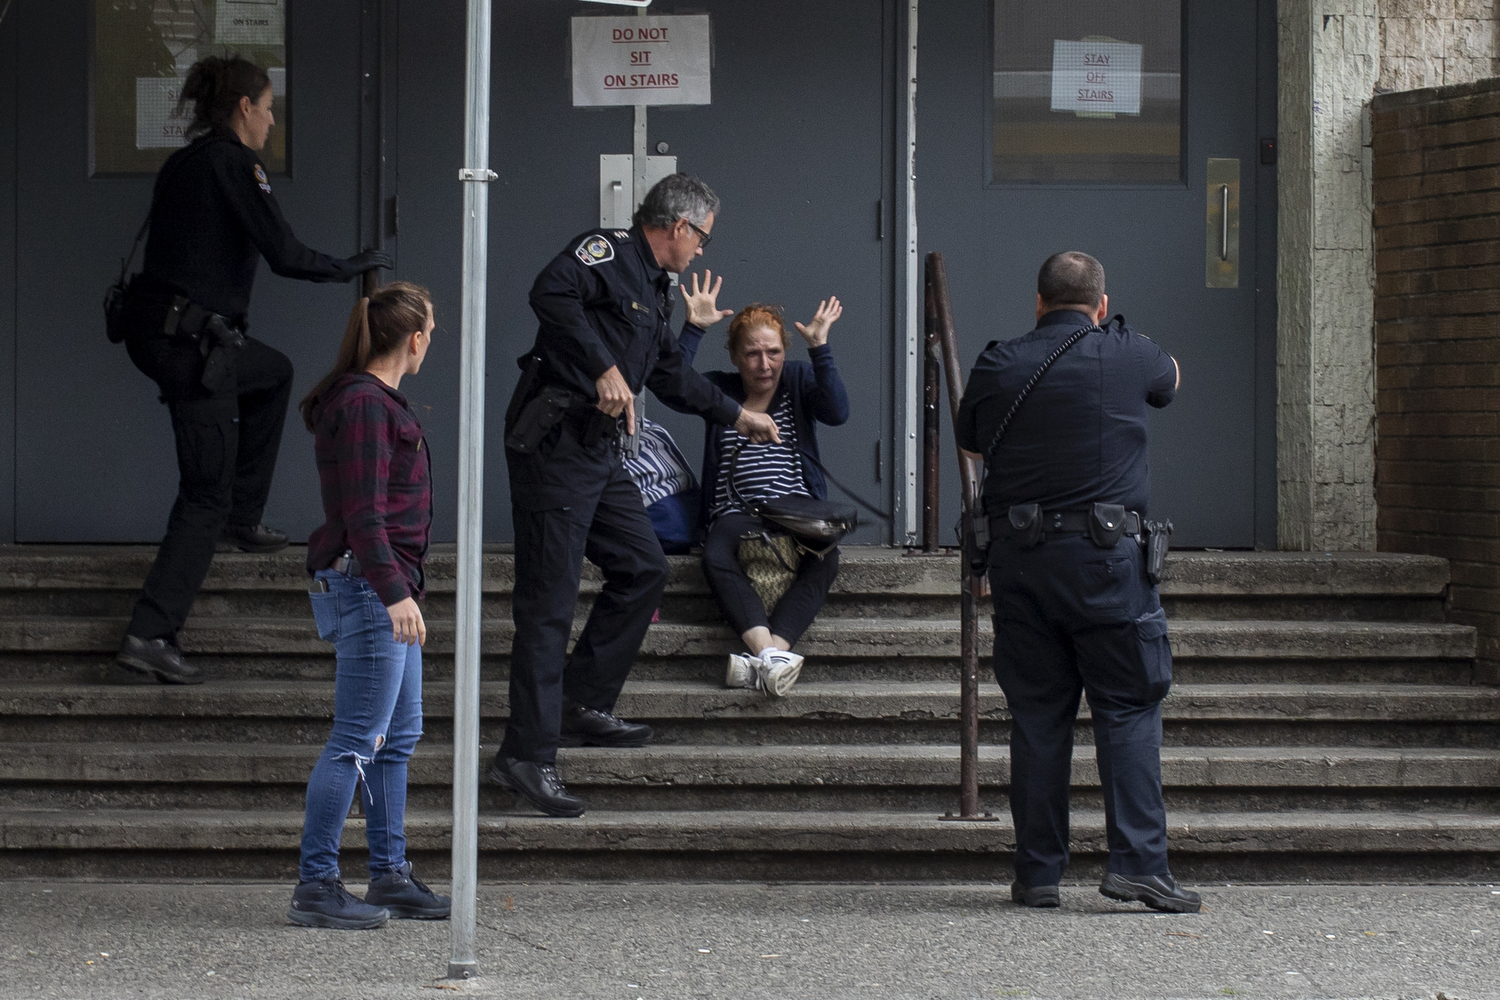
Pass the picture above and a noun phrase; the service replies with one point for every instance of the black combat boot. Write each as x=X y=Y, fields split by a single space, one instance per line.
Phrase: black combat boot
x=537 y=784
x=590 y=727
x=252 y=538
x=153 y=659
x=1160 y=892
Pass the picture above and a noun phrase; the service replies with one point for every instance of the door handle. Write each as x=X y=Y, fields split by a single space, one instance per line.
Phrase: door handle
x=1221 y=228
x=1224 y=222
x=621 y=211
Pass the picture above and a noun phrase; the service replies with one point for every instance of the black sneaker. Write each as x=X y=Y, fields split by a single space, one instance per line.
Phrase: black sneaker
x=1039 y=896
x=1160 y=892
x=153 y=659
x=590 y=727
x=406 y=896
x=251 y=538
x=326 y=903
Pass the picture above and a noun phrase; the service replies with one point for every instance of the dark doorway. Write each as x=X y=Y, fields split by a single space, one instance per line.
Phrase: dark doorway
x=796 y=142
x=1091 y=126
x=94 y=456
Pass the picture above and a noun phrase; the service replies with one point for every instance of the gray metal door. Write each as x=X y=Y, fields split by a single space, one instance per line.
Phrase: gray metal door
x=796 y=142
x=1031 y=142
x=94 y=454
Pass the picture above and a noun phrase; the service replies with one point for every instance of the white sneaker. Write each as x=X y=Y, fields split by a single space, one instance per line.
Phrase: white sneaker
x=742 y=672
x=778 y=671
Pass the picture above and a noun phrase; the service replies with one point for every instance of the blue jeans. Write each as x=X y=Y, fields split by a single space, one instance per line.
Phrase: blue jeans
x=377 y=720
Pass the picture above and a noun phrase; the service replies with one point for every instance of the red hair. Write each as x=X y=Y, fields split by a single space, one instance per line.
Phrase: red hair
x=752 y=317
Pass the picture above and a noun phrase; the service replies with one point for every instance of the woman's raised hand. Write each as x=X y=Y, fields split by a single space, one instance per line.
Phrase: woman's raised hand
x=703 y=301
x=816 y=332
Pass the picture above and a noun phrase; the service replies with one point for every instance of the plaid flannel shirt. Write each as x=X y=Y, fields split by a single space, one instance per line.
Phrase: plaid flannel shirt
x=376 y=475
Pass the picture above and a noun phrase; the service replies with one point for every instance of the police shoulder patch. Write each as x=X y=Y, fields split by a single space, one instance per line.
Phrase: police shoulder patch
x=595 y=249
x=261 y=179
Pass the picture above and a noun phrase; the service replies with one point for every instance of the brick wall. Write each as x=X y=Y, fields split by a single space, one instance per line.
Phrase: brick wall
x=1437 y=339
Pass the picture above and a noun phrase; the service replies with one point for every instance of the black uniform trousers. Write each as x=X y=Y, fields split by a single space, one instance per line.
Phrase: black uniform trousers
x=737 y=598
x=226 y=453
x=605 y=521
x=1072 y=618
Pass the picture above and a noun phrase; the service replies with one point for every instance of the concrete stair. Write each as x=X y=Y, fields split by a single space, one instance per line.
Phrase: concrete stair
x=1326 y=723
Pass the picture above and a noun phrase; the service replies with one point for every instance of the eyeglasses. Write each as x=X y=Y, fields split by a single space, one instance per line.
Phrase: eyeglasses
x=703 y=238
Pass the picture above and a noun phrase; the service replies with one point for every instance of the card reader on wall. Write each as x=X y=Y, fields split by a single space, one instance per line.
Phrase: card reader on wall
x=617 y=200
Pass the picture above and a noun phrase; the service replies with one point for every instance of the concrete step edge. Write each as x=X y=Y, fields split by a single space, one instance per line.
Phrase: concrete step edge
x=891 y=701
x=1310 y=831
x=865 y=569
x=838 y=637
x=773 y=765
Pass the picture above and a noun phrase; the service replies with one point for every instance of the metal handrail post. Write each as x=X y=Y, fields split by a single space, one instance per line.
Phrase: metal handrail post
x=931 y=432
x=973 y=587
x=476 y=176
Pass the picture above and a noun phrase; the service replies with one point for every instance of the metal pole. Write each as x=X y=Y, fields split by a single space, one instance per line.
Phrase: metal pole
x=973 y=588
x=931 y=442
x=476 y=174
x=908 y=444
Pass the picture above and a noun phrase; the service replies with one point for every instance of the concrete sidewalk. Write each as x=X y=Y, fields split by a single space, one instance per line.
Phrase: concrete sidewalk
x=663 y=942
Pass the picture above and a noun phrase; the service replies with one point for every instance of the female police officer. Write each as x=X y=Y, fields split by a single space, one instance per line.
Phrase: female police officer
x=213 y=217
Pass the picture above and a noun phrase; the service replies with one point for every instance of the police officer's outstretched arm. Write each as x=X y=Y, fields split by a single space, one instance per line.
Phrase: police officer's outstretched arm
x=248 y=192
x=684 y=389
x=559 y=297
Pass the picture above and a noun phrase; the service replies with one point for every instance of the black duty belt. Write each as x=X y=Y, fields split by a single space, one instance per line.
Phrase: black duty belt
x=1061 y=520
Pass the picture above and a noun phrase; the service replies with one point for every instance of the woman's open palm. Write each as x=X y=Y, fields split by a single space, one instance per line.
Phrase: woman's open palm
x=703 y=301
x=816 y=332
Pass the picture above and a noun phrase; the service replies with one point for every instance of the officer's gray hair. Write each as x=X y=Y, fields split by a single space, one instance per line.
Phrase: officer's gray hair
x=1071 y=278
x=677 y=196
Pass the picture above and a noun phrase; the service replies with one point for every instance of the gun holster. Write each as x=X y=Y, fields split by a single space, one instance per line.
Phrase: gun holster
x=1158 y=542
x=219 y=343
x=537 y=418
x=976 y=540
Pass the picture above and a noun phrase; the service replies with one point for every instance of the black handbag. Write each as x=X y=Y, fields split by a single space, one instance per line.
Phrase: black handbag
x=816 y=526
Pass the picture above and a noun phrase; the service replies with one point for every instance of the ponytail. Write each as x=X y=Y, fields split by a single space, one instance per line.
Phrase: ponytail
x=378 y=326
x=215 y=86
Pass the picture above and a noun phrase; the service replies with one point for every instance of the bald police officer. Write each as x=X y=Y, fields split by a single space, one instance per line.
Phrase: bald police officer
x=602 y=306
x=1065 y=489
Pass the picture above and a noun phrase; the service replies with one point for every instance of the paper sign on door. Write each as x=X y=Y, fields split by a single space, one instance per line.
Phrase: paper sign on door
x=1096 y=76
x=640 y=60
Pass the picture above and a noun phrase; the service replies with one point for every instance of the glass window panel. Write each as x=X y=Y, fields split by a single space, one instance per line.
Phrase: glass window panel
x=1087 y=92
x=142 y=52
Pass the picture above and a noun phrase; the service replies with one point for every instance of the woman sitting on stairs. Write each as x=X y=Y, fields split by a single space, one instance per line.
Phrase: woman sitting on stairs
x=798 y=395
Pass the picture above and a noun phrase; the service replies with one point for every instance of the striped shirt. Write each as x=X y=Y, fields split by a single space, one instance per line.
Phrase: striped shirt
x=764 y=471
x=660 y=471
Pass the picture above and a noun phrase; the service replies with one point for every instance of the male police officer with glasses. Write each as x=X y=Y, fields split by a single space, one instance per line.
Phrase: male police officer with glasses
x=602 y=305
x=1076 y=605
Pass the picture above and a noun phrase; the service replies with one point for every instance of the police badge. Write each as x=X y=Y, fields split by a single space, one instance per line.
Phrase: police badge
x=595 y=250
x=261 y=179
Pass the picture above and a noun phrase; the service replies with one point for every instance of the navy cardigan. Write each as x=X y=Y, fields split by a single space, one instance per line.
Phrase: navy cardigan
x=818 y=396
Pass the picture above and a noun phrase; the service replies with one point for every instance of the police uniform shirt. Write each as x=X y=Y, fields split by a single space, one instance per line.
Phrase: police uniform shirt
x=603 y=302
x=215 y=217
x=1080 y=436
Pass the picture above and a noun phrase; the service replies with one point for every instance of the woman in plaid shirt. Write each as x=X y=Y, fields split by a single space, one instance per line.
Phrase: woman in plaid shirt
x=366 y=563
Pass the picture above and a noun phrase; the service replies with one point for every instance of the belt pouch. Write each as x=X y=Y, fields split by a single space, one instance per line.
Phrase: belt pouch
x=1106 y=524
x=537 y=418
x=1025 y=524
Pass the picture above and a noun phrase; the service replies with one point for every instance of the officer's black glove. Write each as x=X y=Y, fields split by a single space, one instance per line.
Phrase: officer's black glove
x=369 y=260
